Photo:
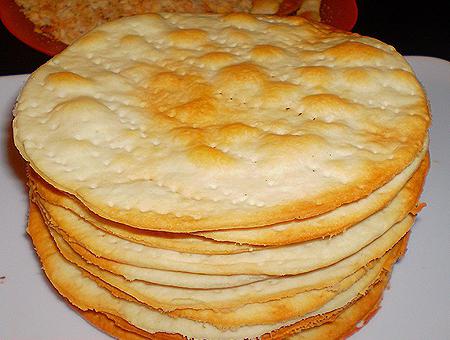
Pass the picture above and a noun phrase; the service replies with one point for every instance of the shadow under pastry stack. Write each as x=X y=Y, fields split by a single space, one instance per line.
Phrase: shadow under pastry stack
x=222 y=176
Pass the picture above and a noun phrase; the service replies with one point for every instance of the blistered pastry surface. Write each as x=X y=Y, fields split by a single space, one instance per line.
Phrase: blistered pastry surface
x=185 y=122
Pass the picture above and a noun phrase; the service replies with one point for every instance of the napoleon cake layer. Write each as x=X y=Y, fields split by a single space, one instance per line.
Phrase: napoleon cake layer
x=283 y=260
x=289 y=259
x=203 y=122
x=168 y=298
x=340 y=325
x=255 y=289
x=87 y=293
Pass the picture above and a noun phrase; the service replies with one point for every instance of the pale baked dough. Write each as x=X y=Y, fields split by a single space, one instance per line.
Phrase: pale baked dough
x=188 y=243
x=203 y=122
x=330 y=223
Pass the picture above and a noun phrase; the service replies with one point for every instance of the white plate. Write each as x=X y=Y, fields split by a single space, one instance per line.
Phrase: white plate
x=417 y=305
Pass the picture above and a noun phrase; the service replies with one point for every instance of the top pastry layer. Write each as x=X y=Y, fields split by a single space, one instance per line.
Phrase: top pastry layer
x=186 y=122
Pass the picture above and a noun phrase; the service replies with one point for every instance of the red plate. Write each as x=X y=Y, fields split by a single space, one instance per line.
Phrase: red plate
x=23 y=29
x=341 y=14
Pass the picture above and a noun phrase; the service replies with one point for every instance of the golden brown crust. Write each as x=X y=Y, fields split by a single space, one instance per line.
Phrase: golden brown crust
x=101 y=321
x=346 y=323
x=45 y=251
x=47 y=255
x=169 y=298
x=374 y=294
x=336 y=325
x=282 y=308
x=255 y=290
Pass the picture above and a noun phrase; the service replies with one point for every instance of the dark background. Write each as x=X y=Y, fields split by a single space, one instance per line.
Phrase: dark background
x=412 y=27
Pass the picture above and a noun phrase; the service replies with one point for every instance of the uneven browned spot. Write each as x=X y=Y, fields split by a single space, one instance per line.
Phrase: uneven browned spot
x=351 y=51
x=65 y=79
x=281 y=95
x=217 y=59
x=205 y=156
x=262 y=53
x=236 y=36
x=314 y=75
x=241 y=80
x=188 y=38
x=197 y=112
x=241 y=20
x=131 y=40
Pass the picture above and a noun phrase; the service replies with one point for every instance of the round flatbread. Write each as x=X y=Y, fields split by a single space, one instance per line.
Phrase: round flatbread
x=183 y=122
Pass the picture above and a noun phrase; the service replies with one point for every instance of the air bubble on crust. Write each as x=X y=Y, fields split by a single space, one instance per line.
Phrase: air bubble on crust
x=178 y=214
x=54 y=126
x=128 y=148
x=143 y=209
x=270 y=182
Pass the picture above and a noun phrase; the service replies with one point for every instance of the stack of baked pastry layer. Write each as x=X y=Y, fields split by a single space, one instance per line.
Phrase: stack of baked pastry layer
x=222 y=176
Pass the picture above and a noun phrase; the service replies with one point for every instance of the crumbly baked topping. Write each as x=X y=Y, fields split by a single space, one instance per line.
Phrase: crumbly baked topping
x=67 y=20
